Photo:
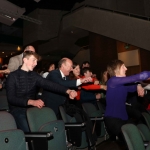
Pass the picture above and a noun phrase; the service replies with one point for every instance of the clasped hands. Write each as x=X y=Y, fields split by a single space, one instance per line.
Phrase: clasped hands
x=86 y=80
x=140 y=90
x=72 y=94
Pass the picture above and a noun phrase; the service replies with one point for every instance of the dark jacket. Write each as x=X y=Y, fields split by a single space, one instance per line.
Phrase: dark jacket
x=87 y=96
x=22 y=86
x=53 y=99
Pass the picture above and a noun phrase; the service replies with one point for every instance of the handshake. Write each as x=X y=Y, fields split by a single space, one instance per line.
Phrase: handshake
x=86 y=80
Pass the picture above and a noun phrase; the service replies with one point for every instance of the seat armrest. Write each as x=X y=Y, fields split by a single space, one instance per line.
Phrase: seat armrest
x=4 y=110
x=75 y=124
x=146 y=143
x=38 y=140
x=39 y=134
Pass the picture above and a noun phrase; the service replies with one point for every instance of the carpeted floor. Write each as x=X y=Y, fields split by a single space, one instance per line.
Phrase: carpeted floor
x=111 y=145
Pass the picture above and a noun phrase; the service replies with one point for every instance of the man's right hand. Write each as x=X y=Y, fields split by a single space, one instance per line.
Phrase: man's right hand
x=98 y=96
x=86 y=80
x=37 y=103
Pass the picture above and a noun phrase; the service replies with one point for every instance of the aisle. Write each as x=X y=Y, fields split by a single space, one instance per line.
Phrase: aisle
x=111 y=145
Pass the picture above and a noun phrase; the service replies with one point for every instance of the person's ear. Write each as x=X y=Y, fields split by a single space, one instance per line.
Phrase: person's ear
x=24 y=60
x=116 y=71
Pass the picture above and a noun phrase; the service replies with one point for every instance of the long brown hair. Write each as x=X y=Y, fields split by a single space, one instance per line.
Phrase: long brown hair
x=102 y=76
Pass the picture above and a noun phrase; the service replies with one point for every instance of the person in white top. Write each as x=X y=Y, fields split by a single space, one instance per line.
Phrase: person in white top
x=51 y=67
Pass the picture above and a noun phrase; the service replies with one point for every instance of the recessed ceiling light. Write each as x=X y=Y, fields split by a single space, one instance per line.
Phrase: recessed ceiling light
x=18 y=48
x=37 y=1
x=2 y=52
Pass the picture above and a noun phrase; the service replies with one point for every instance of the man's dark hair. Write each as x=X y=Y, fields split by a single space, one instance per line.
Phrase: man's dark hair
x=85 y=62
x=85 y=69
x=62 y=61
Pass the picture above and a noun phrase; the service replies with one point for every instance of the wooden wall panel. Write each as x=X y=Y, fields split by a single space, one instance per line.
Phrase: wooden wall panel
x=145 y=59
x=121 y=47
x=102 y=50
x=132 y=70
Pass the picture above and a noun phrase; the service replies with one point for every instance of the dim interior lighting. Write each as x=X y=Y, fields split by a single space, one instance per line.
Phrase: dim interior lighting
x=7 y=17
x=127 y=46
x=6 y=55
x=37 y=1
x=3 y=52
x=18 y=48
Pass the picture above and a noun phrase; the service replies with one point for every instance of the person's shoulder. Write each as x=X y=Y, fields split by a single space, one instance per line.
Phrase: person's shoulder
x=35 y=73
x=16 y=57
x=14 y=73
x=54 y=74
x=56 y=71
x=112 y=79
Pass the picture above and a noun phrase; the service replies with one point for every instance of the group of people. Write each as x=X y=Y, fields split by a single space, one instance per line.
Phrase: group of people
x=23 y=84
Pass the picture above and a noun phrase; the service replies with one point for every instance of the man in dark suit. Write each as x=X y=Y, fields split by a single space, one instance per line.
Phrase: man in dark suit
x=60 y=76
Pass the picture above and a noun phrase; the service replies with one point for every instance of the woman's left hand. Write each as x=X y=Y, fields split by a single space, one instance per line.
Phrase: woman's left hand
x=140 y=90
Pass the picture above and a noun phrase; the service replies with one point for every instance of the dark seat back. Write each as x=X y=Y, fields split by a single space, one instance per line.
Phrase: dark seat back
x=10 y=137
x=44 y=120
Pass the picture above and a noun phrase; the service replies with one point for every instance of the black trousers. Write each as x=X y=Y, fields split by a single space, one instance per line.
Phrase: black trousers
x=113 y=125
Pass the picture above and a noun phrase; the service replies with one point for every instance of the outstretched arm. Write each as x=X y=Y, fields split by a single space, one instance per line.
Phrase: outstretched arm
x=140 y=90
x=115 y=81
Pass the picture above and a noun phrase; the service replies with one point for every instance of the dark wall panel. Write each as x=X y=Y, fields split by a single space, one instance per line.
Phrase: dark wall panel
x=102 y=50
x=145 y=59
x=116 y=26
x=131 y=6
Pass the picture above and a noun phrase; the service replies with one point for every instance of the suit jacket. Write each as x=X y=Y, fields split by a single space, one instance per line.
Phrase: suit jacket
x=53 y=99
x=15 y=62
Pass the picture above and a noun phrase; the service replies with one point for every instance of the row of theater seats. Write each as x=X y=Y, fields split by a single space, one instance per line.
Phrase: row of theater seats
x=138 y=137
x=47 y=133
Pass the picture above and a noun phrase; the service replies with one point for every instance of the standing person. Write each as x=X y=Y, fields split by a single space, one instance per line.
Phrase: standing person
x=85 y=64
x=90 y=92
x=86 y=72
x=104 y=76
x=73 y=75
x=21 y=88
x=117 y=88
x=16 y=61
x=60 y=76
x=54 y=100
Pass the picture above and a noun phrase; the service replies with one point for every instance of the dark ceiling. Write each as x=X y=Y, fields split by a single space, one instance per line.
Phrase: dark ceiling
x=12 y=35
x=30 y=5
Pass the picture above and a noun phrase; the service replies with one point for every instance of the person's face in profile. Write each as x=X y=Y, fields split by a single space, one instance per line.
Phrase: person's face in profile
x=30 y=63
x=52 y=67
x=67 y=67
x=121 y=72
x=76 y=70
x=88 y=74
